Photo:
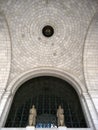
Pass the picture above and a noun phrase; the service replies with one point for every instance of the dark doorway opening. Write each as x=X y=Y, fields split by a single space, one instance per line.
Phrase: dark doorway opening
x=46 y=93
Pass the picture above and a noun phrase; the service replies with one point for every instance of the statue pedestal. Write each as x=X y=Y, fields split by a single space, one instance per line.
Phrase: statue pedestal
x=30 y=128
x=62 y=128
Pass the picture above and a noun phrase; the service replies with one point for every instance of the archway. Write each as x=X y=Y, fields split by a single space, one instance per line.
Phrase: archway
x=46 y=93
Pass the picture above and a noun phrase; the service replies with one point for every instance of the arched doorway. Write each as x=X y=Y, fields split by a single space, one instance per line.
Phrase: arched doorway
x=46 y=93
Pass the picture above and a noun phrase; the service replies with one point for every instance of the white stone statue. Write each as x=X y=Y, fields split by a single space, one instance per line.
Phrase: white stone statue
x=32 y=116
x=60 y=116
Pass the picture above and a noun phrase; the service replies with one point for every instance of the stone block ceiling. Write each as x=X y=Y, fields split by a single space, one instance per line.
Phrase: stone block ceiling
x=70 y=20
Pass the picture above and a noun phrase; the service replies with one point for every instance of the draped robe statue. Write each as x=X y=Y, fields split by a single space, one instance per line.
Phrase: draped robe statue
x=60 y=116
x=32 y=116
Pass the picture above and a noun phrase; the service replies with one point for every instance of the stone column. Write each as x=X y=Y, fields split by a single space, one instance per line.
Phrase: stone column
x=4 y=107
x=92 y=110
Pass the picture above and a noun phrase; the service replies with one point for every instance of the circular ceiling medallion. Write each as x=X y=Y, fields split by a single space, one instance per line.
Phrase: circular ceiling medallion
x=48 y=31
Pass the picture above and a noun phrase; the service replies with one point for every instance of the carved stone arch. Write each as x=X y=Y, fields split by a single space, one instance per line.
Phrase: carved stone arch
x=5 y=53
x=91 y=55
x=37 y=72
x=46 y=71
x=90 y=60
